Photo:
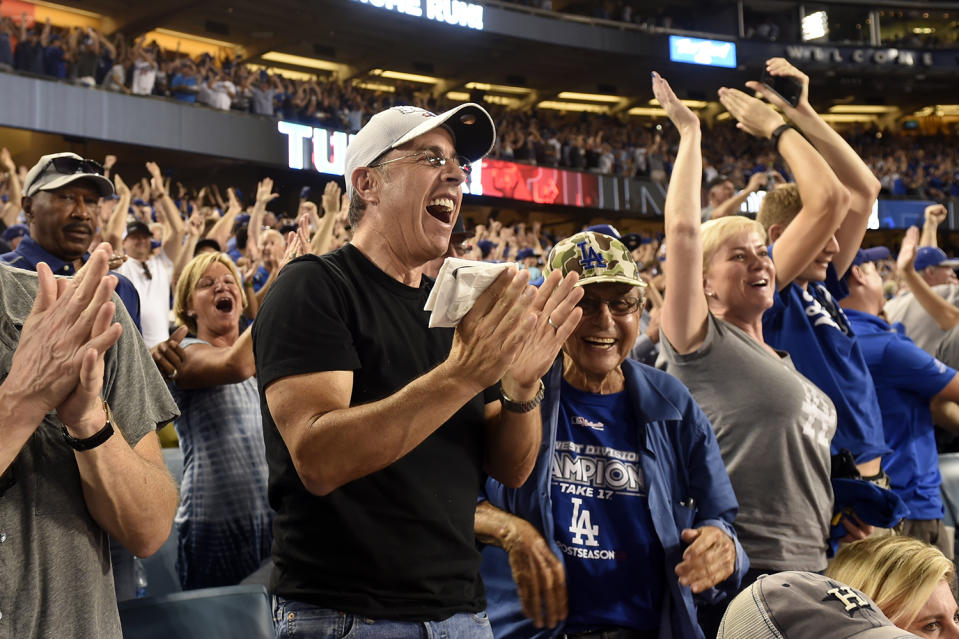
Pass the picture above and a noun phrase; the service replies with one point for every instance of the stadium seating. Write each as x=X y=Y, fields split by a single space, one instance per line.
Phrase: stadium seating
x=209 y=613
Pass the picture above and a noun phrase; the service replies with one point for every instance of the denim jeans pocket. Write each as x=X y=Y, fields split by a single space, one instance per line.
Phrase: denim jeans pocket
x=298 y=619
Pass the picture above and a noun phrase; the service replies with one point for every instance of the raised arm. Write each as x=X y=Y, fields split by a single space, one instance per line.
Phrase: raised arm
x=824 y=200
x=194 y=230
x=863 y=186
x=224 y=226
x=945 y=314
x=733 y=204
x=118 y=218
x=332 y=202
x=14 y=203
x=933 y=216
x=264 y=195
x=170 y=216
x=684 y=308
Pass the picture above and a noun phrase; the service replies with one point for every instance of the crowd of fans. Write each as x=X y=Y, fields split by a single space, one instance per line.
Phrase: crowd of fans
x=201 y=263
x=916 y=166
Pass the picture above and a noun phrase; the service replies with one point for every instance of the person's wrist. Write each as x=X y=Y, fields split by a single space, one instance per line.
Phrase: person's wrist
x=89 y=424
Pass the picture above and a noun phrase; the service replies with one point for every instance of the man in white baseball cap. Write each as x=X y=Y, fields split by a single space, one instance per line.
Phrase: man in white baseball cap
x=378 y=429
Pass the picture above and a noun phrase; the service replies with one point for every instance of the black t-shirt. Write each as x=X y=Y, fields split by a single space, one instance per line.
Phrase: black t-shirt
x=399 y=543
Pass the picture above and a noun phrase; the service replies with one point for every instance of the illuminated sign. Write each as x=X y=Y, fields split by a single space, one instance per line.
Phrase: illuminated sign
x=325 y=151
x=454 y=12
x=539 y=184
x=882 y=57
x=714 y=53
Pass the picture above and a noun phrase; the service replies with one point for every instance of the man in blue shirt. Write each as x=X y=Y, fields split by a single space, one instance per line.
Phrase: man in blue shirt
x=907 y=378
x=184 y=85
x=60 y=198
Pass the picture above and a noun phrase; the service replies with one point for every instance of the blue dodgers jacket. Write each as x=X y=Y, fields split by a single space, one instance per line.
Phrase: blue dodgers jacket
x=681 y=462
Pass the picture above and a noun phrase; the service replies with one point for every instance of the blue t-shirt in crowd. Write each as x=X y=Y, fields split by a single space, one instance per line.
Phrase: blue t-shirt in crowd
x=6 y=50
x=614 y=561
x=53 y=61
x=906 y=378
x=182 y=80
x=811 y=326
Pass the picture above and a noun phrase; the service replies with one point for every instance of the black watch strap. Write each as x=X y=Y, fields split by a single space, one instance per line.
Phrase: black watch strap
x=778 y=133
x=94 y=440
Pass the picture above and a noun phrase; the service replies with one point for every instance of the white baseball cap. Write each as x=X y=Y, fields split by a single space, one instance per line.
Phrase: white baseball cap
x=59 y=169
x=471 y=126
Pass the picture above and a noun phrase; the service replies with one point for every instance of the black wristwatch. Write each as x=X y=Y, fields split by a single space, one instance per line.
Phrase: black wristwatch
x=94 y=440
x=522 y=407
x=782 y=128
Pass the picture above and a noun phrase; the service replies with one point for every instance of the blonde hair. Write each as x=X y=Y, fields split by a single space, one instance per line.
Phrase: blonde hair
x=779 y=206
x=715 y=232
x=898 y=573
x=190 y=275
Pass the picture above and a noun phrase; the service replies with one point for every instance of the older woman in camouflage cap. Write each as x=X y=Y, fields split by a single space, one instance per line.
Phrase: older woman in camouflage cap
x=627 y=518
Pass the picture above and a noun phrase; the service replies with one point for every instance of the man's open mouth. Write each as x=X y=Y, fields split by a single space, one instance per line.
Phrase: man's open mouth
x=441 y=208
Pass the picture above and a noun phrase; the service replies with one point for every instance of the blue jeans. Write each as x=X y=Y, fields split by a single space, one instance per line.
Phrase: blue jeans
x=298 y=619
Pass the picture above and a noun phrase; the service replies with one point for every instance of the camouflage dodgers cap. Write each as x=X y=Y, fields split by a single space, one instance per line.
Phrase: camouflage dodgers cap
x=596 y=257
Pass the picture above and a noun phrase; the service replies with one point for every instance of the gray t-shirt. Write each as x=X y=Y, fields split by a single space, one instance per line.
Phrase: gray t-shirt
x=920 y=325
x=773 y=427
x=55 y=576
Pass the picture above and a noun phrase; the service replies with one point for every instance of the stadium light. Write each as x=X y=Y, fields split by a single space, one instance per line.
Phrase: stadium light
x=408 y=77
x=374 y=86
x=815 y=25
x=300 y=61
x=647 y=112
x=589 y=97
x=692 y=104
x=497 y=88
x=862 y=108
x=843 y=118
x=572 y=106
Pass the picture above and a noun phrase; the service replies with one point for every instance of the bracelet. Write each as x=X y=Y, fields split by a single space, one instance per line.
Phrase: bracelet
x=782 y=128
x=522 y=407
x=94 y=440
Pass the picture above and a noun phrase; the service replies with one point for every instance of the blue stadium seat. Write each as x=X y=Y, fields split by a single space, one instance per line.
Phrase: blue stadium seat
x=209 y=613
x=949 y=468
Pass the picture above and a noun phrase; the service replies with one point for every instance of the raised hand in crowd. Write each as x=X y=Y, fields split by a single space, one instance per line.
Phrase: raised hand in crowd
x=861 y=185
x=116 y=223
x=108 y=163
x=933 y=216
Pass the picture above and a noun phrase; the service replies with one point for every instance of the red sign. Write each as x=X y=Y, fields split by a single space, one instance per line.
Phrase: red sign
x=539 y=184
